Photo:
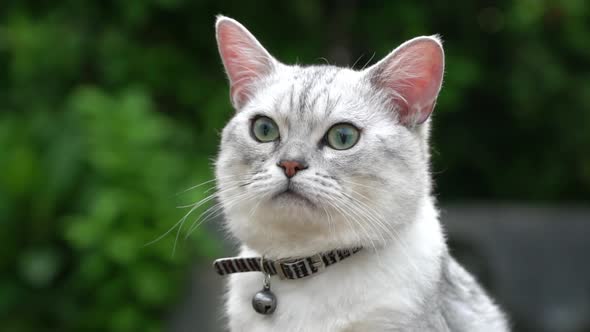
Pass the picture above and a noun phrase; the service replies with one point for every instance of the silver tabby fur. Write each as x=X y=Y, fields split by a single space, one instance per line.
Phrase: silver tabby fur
x=376 y=194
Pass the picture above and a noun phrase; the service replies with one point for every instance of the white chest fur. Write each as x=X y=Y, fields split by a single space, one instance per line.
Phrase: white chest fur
x=370 y=291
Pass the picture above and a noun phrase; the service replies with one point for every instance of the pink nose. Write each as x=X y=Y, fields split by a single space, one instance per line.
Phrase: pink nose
x=291 y=167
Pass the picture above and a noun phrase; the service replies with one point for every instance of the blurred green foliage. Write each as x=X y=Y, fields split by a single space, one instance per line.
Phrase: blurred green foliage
x=110 y=108
x=83 y=190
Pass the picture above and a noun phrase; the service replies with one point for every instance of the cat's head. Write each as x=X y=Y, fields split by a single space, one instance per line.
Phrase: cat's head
x=322 y=157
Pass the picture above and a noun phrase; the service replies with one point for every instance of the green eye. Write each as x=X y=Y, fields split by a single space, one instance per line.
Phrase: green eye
x=342 y=136
x=265 y=129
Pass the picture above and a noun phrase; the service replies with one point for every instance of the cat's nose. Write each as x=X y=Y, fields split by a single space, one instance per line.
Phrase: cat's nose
x=291 y=167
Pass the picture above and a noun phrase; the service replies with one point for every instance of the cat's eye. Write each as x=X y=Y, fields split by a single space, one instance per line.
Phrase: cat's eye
x=342 y=136
x=264 y=129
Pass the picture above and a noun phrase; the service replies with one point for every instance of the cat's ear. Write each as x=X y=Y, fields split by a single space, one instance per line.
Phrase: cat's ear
x=411 y=77
x=244 y=58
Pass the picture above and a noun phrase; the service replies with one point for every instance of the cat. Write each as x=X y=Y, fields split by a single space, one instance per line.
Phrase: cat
x=318 y=158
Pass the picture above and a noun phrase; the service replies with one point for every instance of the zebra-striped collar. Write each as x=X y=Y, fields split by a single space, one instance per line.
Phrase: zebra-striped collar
x=288 y=268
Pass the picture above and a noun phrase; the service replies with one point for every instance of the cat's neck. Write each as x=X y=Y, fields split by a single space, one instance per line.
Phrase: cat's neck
x=423 y=235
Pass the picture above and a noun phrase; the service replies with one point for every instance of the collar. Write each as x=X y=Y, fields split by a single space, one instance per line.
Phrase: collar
x=286 y=268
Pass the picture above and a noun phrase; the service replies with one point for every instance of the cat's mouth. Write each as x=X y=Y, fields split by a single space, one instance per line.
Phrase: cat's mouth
x=293 y=196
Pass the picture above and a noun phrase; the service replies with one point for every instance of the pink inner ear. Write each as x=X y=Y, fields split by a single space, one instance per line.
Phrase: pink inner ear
x=412 y=74
x=245 y=60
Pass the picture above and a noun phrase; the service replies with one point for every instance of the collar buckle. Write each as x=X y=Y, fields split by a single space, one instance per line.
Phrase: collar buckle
x=289 y=268
x=318 y=262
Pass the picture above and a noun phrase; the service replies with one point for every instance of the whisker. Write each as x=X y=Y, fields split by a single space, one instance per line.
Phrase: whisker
x=371 y=58
x=196 y=206
x=179 y=224
x=360 y=224
x=357 y=60
x=206 y=182
x=348 y=222
x=346 y=212
x=390 y=231
x=364 y=185
x=367 y=216
x=239 y=182
x=213 y=210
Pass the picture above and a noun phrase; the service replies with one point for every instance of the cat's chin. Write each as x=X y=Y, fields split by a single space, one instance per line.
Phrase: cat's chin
x=292 y=199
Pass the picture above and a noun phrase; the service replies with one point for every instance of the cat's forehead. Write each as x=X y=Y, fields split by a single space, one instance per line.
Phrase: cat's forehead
x=313 y=75
x=312 y=93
